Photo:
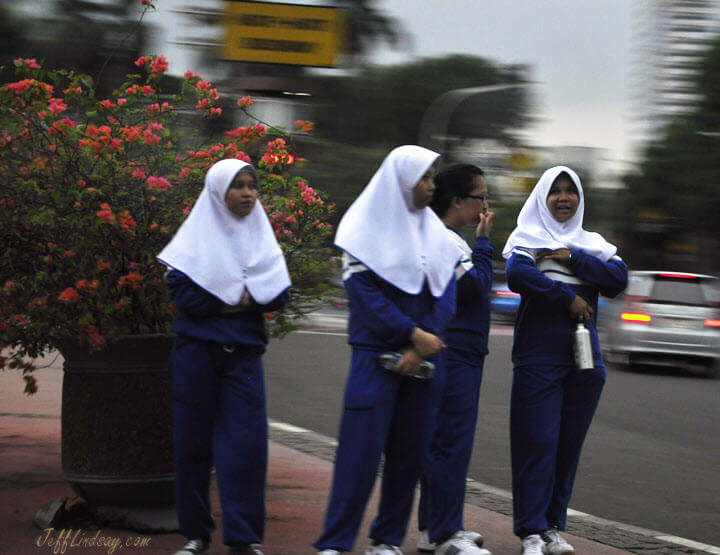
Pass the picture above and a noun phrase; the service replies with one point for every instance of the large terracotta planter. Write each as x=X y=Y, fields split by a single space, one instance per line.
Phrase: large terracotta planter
x=116 y=422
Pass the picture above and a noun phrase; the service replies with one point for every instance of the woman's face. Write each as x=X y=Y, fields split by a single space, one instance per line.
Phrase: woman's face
x=563 y=198
x=476 y=203
x=242 y=194
x=423 y=190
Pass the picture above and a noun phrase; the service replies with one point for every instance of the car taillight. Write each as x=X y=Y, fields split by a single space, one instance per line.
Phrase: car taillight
x=503 y=293
x=711 y=323
x=637 y=298
x=635 y=317
x=678 y=276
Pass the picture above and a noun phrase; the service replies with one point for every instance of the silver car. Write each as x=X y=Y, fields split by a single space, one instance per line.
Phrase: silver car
x=665 y=319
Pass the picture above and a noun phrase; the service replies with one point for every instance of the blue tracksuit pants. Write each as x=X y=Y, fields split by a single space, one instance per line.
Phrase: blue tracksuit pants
x=443 y=483
x=550 y=413
x=219 y=418
x=383 y=412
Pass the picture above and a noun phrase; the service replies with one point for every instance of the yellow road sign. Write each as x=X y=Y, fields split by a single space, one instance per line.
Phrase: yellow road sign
x=282 y=33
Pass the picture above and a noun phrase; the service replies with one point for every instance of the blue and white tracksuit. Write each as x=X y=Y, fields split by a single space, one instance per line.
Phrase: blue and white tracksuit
x=552 y=403
x=219 y=415
x=383 y=411
x=443 y=483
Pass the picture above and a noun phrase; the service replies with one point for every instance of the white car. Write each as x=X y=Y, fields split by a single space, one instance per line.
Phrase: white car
x=665 y=319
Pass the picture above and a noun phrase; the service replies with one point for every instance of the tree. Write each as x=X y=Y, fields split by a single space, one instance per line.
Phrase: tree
x=674 y=197
x=99 y=38
x=366 y=26
x=385 y=104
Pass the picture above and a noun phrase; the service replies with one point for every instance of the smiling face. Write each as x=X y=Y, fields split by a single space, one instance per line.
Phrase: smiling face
x=242 y=194
x=423 y=190
x=563 y=198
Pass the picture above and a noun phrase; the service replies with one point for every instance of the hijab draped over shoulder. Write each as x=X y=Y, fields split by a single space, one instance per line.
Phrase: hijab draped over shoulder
x=537 y=229
x=224 y=253
x=382 y=229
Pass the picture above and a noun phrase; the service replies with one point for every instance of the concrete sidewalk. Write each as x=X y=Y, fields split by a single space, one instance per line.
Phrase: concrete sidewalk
x=300 y=471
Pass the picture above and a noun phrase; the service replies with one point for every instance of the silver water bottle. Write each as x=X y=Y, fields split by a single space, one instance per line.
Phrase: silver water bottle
x=389 y=361
x=583 y=348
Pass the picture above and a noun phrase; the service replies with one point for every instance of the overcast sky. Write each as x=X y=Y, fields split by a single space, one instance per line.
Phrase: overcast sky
x=578 y=50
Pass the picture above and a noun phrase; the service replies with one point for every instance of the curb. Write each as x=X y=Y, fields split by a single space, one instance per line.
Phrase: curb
x=607 y=532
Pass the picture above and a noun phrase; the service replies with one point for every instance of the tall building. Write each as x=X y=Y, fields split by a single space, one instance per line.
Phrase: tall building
x=671 y=36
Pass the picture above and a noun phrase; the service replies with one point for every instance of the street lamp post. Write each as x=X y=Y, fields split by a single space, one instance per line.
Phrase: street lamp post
x=433 y=128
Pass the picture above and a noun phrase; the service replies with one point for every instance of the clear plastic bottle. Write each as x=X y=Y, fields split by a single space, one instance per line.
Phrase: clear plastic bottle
x=583 y=348
x=389 y=361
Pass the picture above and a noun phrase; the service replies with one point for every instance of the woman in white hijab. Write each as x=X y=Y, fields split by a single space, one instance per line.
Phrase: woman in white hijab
x=225 y=268
x=399 y=274
x=559 y=269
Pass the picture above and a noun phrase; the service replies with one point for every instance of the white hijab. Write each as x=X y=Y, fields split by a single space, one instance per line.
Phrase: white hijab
x=536 y=228
x=224 y=253
x=383 y=229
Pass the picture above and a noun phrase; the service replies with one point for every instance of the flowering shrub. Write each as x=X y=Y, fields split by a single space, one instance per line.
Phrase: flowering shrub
x=93 y=189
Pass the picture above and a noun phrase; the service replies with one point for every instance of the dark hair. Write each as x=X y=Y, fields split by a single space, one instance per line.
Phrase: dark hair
x=455 y=181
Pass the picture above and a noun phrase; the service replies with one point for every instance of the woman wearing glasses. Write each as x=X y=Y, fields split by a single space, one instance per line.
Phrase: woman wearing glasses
x=460 y=200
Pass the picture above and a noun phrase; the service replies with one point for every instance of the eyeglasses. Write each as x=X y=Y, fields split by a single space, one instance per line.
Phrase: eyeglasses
x=482 y=197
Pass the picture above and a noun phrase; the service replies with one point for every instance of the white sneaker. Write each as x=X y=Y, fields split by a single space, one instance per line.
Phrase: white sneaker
x=555 y=544
x=195 y=547
x=329 y=552
x=460 y=544
x=424 y=544
x=533 y=545
x=383 y=549
x=473 y=536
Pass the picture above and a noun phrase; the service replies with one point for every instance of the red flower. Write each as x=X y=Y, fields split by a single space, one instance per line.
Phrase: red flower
x=159 y=65
x=69 y=295
x=132 y=280
x=95 y=339
x=125 y=220
x=244 y=102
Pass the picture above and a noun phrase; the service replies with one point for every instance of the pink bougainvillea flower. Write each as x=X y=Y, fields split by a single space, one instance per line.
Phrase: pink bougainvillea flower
x=106 y=214
x=244 y=102
x=28 y=63
x=158 y=183
x=159 y=66
x=56 y=106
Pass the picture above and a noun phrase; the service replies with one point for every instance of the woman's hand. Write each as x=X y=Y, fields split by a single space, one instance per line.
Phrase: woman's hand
x=241 y=306
x=485 y=224
x=409 y=364
x=580 y=311
x=426 y=344
x=561 y=256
